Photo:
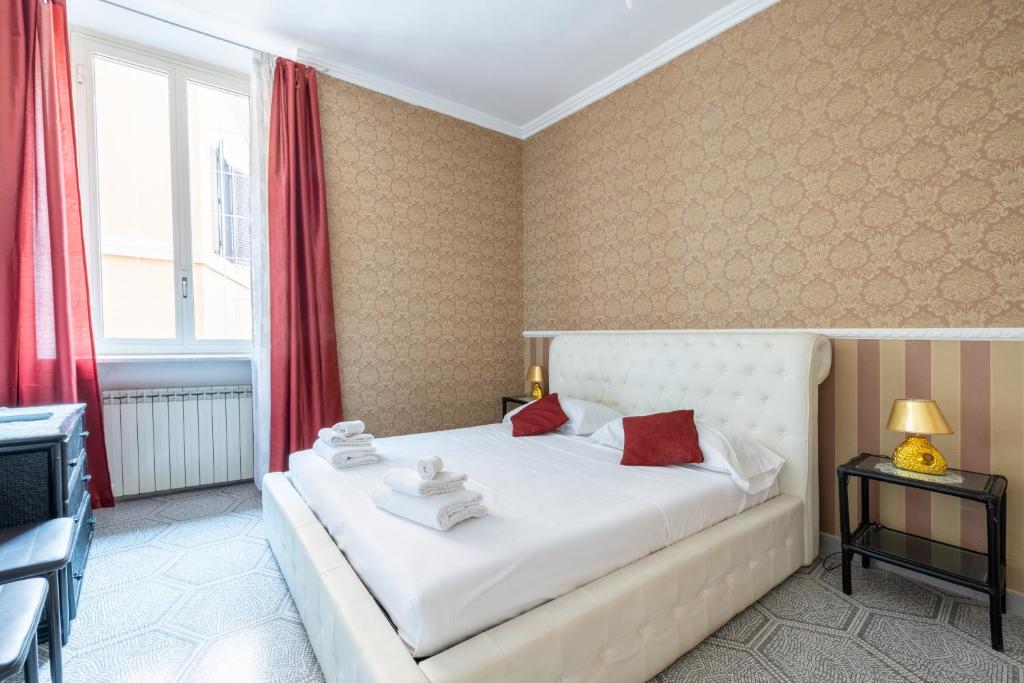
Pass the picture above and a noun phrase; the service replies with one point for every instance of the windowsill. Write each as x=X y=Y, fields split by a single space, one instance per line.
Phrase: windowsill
x=168 y=370
x=170 y=357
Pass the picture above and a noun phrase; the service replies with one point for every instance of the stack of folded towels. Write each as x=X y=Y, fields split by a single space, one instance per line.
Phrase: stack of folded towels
x=429 y=496
x=346 y=445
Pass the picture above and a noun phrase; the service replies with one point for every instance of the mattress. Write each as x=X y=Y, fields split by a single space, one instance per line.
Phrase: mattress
x=563 y=513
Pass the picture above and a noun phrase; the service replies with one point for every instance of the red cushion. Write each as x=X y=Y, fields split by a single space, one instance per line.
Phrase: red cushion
x=540 y=417
x=661 y=439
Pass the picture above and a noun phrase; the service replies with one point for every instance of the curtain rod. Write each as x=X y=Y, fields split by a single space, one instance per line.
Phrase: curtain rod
x=174 y=23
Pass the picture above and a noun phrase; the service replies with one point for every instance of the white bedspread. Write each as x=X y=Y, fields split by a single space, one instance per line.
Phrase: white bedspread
x=563 y=512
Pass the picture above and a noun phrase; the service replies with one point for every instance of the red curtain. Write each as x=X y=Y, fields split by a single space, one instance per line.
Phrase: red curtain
x=46 y=337
x=305 y=391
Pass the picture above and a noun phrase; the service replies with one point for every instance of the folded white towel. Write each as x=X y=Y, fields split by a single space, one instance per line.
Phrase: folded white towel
x=335 y=438
x=327 y=450
x=440 y=512
x=349 y=427
x=345 y=456
x=429 y=467
x=345 y=463
x=406 y=481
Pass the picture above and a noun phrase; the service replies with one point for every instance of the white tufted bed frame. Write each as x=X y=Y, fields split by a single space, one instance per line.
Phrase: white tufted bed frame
x=632 y=623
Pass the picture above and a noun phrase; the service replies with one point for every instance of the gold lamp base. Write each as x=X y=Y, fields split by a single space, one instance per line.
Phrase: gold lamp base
x=537 y=392
x=917 y=454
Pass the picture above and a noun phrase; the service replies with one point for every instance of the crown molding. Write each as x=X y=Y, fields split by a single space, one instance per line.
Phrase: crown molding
x=414 y=96
x=725 y=18
x=699 y=33
x=924 y=333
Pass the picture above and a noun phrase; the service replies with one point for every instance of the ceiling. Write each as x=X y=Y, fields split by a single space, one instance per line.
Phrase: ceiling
x=512 y=65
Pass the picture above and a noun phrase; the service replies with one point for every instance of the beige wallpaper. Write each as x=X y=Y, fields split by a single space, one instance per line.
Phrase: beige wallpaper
x=425 y=221
x=852 y=163
x=857 y=163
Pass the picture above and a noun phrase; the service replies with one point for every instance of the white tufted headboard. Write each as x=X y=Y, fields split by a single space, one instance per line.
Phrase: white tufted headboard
x=762 y=384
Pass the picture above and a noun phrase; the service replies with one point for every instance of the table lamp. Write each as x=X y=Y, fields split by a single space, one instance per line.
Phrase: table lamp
x=918 y=417
x=535 y=376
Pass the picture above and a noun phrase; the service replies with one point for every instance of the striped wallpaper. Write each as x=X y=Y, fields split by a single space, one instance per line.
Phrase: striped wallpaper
x=980 y=387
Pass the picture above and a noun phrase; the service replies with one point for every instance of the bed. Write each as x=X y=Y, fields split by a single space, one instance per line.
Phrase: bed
x=640 y=579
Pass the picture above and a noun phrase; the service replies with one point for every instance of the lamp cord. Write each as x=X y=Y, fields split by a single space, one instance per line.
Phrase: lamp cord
x=824 y=561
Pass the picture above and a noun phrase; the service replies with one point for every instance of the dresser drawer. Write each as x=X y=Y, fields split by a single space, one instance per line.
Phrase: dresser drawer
x=74 y=447
x=78 y=485
x=76 y=436
x=80 y=553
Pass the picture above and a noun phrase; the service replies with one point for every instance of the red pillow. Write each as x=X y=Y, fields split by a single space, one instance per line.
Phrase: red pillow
x=540 y=417
x=661 y=439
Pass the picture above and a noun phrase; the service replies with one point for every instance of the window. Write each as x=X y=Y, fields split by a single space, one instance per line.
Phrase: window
x=164 y=149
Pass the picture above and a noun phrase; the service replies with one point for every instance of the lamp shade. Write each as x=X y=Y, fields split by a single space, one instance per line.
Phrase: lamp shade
x=917 y=416
x=535 y=374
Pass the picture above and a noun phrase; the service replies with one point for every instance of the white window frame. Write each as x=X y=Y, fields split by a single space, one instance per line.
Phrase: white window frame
x=179 y=70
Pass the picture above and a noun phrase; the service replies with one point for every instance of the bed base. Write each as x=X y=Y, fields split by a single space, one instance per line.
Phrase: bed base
x=624 y=627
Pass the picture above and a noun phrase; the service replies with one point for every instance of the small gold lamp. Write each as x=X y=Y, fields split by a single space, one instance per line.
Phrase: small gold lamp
x=918 y=417
x=535 y=376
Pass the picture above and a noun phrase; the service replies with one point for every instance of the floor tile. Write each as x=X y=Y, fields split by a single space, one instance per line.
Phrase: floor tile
x=183 y=587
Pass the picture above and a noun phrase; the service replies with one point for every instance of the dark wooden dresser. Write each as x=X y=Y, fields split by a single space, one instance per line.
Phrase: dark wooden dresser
x=43 y=474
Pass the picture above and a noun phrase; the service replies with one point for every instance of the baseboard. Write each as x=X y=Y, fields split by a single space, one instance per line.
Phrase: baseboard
x=828 y=544
x=184 y=489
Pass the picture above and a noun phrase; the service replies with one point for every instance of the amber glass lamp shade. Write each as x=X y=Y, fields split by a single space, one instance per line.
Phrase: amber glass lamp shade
x=535 y=376
x=918 y=417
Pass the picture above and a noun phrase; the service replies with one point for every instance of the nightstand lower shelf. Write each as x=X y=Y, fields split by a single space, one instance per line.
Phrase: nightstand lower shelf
x=934 y=558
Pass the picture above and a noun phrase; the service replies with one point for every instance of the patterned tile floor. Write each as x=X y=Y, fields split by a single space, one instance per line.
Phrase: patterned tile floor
x=890 y=629
x=183 y=587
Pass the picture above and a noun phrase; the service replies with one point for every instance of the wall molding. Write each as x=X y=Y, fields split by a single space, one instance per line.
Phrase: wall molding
x=408 y=94
x=828 y=544
x=926 y=333
x=701 y=32
x=213 y=27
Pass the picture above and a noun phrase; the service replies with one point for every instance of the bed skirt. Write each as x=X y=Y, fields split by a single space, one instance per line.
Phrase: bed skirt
x=624 y=627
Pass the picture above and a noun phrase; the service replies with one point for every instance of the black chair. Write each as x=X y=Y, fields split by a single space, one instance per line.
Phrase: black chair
x=21 y=607
x=40 y=551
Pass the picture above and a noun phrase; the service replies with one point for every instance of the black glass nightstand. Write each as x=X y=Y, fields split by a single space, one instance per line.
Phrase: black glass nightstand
x=514 y=400
x=984 y=572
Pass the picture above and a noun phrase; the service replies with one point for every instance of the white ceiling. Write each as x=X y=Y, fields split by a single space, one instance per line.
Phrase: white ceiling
x=511 y=65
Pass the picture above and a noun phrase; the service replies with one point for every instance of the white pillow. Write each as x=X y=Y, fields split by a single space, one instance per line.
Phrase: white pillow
x=611 y=435
x=584 y=416
x=753 y=466
x=507 y=420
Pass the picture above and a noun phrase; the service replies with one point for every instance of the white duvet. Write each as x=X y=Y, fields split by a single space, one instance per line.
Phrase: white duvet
x=563 y=512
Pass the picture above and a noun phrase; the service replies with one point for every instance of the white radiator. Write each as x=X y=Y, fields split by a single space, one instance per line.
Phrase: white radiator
x=165 y=439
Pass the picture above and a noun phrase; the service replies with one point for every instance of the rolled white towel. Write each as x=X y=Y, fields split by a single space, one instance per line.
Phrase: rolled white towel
x=406 y=481
x=335 y=438
x=349 y=427
x=429 y=467
x=345 y=456
x=440 y=512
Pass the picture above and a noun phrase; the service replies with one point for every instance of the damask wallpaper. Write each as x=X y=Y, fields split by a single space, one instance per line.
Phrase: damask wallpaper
x=425 y=224
x=826 y=163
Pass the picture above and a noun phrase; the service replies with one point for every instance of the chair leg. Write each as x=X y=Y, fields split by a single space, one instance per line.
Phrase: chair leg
x=53 y=617
x=32 y=662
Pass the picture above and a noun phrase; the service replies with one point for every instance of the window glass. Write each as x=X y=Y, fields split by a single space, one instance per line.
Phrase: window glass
x=218 y=159
x=133 y=149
